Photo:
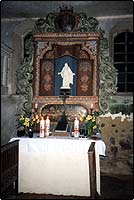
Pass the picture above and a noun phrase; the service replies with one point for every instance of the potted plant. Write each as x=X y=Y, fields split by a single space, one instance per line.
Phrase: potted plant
x=25 y=124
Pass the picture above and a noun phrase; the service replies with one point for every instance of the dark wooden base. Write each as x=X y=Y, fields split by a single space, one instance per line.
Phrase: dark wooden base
x=9 y=168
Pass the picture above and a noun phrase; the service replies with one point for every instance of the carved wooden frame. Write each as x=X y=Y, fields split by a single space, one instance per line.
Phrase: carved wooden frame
x=89 y=42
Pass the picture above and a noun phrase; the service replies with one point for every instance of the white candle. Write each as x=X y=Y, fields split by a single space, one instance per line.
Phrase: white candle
x=76 y=127
x=42 y=126
x=47 y=126
x=36 y=105
x=92 y=105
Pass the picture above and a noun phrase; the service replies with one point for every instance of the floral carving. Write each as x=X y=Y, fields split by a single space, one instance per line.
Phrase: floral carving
x=47 y=86
x=84 y=78
x=83 y=55
x=49 y=55
x=47 y=78
x=84 y=87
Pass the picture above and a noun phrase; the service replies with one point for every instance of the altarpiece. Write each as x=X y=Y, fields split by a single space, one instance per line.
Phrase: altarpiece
x=81 y=51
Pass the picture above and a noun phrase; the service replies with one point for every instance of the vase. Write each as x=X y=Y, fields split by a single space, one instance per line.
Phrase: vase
x=30 y=133
x=89 y=132
x=21 y=132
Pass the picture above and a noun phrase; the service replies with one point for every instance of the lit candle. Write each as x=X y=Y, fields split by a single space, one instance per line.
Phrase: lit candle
x=76 y=127
x=47 y=126
x=92 y=105
x=42 y=126
x=36 y=105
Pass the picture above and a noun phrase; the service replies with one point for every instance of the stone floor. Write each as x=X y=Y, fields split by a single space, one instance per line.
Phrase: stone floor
x=112 y=187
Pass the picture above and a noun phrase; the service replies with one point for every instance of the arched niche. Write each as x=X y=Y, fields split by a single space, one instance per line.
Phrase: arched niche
x=55 y=111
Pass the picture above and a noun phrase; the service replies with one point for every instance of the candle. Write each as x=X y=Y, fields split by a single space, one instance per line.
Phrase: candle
x=47 y=126
x=42 y=126
x=76 y=127
x=92 y=105
x=36 y=105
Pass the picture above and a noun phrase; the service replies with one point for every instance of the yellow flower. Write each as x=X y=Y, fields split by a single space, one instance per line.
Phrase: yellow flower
x=27 y=119
x=88 y=117
x=34 y=119
x=93 y=120
x=21 y=117
x=94 y=127
x=93 y=117
x=26 y=123
x=38 y=120
x=37 y=117
x=81 y=119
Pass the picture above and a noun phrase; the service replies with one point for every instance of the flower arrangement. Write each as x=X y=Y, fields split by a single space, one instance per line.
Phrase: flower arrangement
x=89 y=121
x=25 y=121
x=28 y=121
x=36 y=118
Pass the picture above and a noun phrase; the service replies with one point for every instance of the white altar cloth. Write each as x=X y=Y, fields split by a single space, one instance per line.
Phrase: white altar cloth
x=57 y=165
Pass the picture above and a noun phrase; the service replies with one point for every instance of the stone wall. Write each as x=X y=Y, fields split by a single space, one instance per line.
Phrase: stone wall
x=117 y=133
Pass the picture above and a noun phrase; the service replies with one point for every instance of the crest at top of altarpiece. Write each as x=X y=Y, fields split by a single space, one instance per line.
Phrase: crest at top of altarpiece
x=66 y=21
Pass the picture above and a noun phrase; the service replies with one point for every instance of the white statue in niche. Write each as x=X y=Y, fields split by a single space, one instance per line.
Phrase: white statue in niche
x=67 y=75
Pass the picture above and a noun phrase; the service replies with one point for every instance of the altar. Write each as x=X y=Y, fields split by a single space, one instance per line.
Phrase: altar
x=57 y=165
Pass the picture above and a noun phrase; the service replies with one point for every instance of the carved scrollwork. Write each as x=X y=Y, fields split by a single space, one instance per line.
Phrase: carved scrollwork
x=24 y=76
x=45 y=24
x=108 y=73
x=24 y=84
x=108 y=77
x=92 y=45
x=86 y=24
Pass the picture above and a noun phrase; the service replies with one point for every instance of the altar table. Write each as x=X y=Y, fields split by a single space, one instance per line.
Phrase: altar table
x=57 y=165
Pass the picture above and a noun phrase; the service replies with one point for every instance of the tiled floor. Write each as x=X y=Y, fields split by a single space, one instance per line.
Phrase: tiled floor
x=112 y=187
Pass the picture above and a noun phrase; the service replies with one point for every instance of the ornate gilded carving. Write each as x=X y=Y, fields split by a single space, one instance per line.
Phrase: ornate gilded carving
x=47 y=47
x=86 y=26
x=40 y=46
x=49 y=55
x=85 y=101
x=92 y=87
x=83 y=55
x=92 y=45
